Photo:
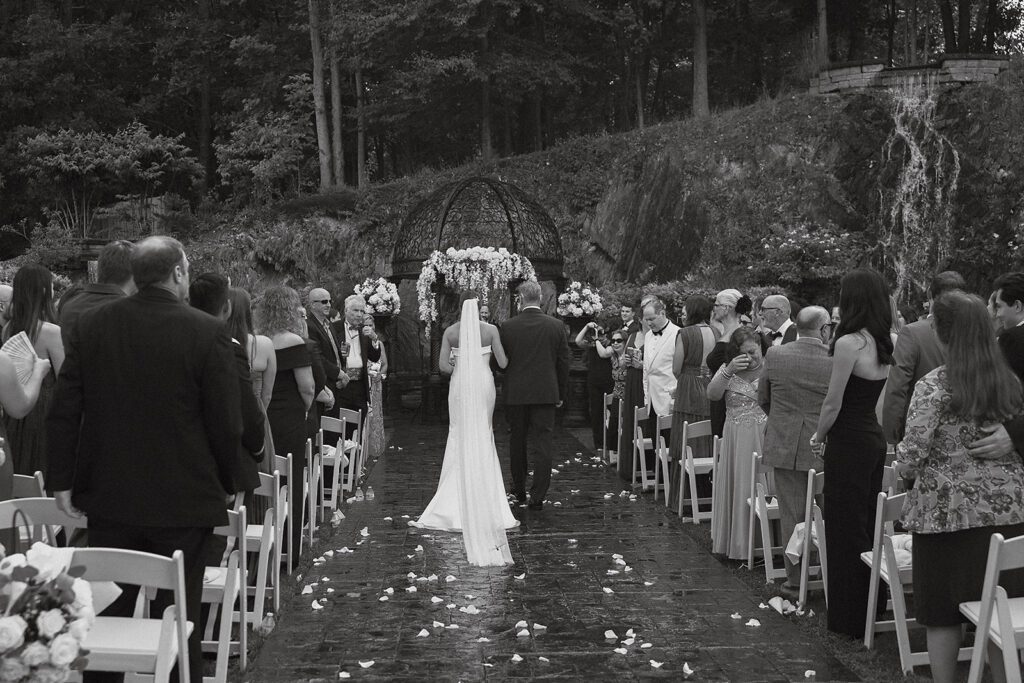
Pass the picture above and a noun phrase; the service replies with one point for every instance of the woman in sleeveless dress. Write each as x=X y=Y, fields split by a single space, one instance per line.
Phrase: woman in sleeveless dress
x=854 y=448
x=615 y=353
x=633 y=397
x=374 y=423
x=279 y=316
x=689 y=364
x=31 y=312
x=470 y=496
x=729 y=305
x=742 y=436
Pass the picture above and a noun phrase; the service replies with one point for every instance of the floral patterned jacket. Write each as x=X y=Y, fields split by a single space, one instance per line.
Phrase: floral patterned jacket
x=953 y=490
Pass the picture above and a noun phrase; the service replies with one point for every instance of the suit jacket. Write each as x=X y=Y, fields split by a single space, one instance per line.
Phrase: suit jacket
x=145 y=426
x=319 y=333
x=253 y=433
x=1011 y=341
x=89 y=298
x=538 y=359
x=916 y=354
x=659 y=380
x=791 y=391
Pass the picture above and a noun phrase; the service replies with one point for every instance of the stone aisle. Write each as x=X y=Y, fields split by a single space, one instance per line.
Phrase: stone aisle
x=445 y=620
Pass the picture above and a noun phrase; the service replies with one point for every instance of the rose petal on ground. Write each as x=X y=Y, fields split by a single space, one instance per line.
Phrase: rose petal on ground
x=648 y=583
x=609 y=495
x=307 y=589
x=752 y=623
x=523 y=634
x=360 y=542
x=451 y=605
x=387 y=519
x=687 y=671
x=628 y=641
x=489 y=666
x=630 y=633
x=389 y=590
x=481 y=639
x=810 y=673
x=736 y=615
x=449 y=578
x=608 y=590
x=423 y=633
x=619 y=561
x=383 y=598
x=344 y=674
x=471 y=609
x=366 y=665
x=647 y=645
x=451 y=626
x=520 y=577
x=422 y=579
x=621 y=650
x=329 y=553
x=543 y=659
x=574 y=491
x=410 y=556
x=317 y=605
x=470 y=597
x=612 y=572
x=627 y=568
x=610 y=635
x=436 y=599
x=539 y=627
x=762 y=606
x=330 y=590
x=572 y=540
x=557 y=504
x=516 y=658
x=521 y=624
x=419 y=549
x=657 y=665
x=346 y=549
x=432 y=577
x=411 y=575
x=438 y=624
x=411 y=589
x=364 y=532
x=405 y=516
x=616 y=556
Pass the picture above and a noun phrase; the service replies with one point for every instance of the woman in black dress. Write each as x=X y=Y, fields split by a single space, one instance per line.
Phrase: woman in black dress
x=279 y=316
x=854 y=448
x=729 y=305
x=633 y=396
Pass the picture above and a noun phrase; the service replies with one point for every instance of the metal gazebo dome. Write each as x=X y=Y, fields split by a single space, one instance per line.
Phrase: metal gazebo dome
x=478 y=212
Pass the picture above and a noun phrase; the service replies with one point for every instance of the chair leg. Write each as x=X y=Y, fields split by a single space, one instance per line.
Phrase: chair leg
x=694 y=498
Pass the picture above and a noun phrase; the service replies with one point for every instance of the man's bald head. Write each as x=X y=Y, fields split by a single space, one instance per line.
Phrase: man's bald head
x=318 y=301
x=160 y=261
x=810 y=321
x=775 y=311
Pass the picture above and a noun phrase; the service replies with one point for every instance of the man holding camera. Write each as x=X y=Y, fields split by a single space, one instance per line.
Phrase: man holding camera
x=599 y=380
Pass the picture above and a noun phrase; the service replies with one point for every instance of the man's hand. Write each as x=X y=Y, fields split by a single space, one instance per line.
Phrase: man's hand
x=64 y=504
x=996 y=444
x=343 y=380
x=558 y=405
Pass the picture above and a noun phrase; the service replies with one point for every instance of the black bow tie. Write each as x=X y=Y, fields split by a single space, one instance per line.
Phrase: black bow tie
x=775 y=335
x=658 y=332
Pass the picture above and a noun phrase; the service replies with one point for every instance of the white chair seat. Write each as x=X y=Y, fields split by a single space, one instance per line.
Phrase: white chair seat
x=772 y=506
x=254 y=536
x=123 y=643
x=700 y=465
x=972 y=610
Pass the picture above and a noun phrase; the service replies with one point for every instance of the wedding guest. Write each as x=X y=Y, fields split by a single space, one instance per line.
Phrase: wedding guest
x=659 y=350
x=318 y=322
x=1009 y=312
x=6 y=294
x=633 y=396
x=630 y=324
x=31 y=312
x=599 y=380
x=615 y=353
x=917 y=353
x=791 y=392
x=729 y=305
x=376 y=373
x=690 y=367
x=208 y=293
x=959 y=501
x=145 y=426
x=736 y=383
x=357 y=350
x=997 y=324
x=485 y=313
x=113 y=281
x=324 y=397
x=279 y=316
x=854 y=447
x=775 y=314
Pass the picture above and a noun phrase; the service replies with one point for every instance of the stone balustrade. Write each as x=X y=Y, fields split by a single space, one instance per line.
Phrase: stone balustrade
x=947 y=69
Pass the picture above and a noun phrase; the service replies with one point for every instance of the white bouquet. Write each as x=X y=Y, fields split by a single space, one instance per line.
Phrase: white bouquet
x=578 y=300
x=381 y=296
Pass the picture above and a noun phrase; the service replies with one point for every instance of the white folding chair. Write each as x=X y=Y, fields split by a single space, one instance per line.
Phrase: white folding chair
x=310 y=491
x=29 y=486
x=283 y=466
x=342 y=459
x=641 y=444
x=223 y=586
x=610 y=455
x=765 y=511
x=662 y=461
x=899 y=579
x=267 y=539
x=137 y=644
x=814 y=536
x=333 y=457
x=692 y=466
x=1006 y=629
x=42 y=519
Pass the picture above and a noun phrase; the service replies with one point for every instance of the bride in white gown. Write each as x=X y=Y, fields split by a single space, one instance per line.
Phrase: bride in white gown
x=471 y=494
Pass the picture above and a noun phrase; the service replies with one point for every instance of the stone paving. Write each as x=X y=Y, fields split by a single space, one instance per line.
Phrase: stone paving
x=443 y=619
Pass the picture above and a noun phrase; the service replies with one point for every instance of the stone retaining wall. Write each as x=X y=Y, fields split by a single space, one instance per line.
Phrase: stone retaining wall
x=950 y=69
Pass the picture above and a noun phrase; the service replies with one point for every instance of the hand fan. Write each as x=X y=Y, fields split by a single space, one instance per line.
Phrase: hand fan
x=20 y=349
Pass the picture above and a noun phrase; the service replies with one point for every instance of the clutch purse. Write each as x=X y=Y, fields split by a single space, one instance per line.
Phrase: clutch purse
x=21 y=351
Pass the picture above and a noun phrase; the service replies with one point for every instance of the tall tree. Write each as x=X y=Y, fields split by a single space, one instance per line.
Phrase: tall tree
x=323 y=136
x=701 y=106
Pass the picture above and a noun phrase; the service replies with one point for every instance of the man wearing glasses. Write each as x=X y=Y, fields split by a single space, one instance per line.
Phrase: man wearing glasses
x=775 y=312
x=319 y=328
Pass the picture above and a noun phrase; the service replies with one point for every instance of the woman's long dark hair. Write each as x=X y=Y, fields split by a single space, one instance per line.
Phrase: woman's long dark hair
x=982 y=385
x=864 y=305
x=240 y=320
x=32 y=302
x=698 y=310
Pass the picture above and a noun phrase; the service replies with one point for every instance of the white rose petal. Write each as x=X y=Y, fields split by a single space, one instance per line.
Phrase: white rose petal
x=449 y=578
x=611 y=635
x=516 y=658
x=383 y=598
x=687 y=671
x=344 y=674
x=657 y=665
x=646 y=645
x=753 y=623
x=810 y=673
x=523 y=634
x=411 y=589
x=539 y=627
x=520 y=577
x=608 y=590
x=423 y=633
x=521 y=624
x=307 y=589
x=366 y=665
x=436 y=599
x=621 y=650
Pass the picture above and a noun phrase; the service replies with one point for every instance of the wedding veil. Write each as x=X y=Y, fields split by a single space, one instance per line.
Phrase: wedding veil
x=482 y=529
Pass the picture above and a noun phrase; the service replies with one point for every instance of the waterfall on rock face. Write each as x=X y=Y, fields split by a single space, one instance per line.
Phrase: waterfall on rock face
x=917 y=197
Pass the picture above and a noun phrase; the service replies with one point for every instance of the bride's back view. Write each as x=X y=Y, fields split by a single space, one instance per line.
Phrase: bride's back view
x=471 y=494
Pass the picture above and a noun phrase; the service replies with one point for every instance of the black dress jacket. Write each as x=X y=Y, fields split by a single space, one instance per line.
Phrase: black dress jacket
x=538 y=358
x=145 y=425
x=89 y=298
x=318 y=332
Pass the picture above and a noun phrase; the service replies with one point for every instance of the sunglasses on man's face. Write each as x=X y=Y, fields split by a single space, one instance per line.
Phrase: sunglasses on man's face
x=321 y=301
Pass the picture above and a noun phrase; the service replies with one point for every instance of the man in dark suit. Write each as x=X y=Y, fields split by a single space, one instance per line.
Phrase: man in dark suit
x=318 y=323
x=775 y=314
x=113 y=281
x=536 y=380
x=917 y=353
x=791 y=391
x=356 y=350
x=209 y=294
x=144 y=427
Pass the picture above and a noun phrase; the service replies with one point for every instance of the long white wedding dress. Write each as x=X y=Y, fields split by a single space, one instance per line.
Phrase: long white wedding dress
x=470 y=496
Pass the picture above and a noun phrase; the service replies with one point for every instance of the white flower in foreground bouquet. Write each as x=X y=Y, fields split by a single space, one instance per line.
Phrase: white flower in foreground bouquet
x=12 y=633
x=51 y=562
x=63 y=650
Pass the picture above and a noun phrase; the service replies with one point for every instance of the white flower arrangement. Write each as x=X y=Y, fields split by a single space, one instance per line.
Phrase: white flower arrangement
x=477 y=268
x=381 y=296
x=46 y=614
x=578 y=300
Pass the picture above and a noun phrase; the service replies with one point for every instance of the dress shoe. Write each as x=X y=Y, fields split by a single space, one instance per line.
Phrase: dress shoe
x=536 y=506
x=520 y=497
x=791 y=593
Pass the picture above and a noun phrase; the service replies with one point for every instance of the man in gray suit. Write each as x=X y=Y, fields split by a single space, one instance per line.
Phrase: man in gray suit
x=916 y=354
x=791 y=392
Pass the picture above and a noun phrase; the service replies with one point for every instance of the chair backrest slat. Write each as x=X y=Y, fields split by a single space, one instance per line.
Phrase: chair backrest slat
x=37 y=511
x=128 y=566
x=697 y=430
x=28 y=486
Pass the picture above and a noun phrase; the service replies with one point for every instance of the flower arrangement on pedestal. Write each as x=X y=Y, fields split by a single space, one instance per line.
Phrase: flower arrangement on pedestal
x=47 y=613
x=478 y=268
x=381 y=296
x=579 y=300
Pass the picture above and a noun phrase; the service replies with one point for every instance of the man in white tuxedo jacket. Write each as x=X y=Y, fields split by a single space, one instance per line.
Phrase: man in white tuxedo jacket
x=659 y=349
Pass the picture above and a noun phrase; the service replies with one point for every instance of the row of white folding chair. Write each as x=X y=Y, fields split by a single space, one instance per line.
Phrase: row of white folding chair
x=608 y=454
x=763 y=508
x=1004 y=615
x=662 y=461
x=814 y=537
x=267 y=539
x=223 y=588
x=692 y=466
x=884 y=568
x=121 y=644
x=641 y=444
x=345 y=460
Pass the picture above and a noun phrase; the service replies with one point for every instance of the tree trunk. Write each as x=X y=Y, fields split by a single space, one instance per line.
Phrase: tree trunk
x=701 y=107
x=912 y=20
x=360 y=129
x=822 y=46
x=337 y=140
x=537 y=117
x=987 y=36
x=205 y=135
x=948 y=26
x=638 y=92
x=323 y=136
x=486 y=145
x=964 y=30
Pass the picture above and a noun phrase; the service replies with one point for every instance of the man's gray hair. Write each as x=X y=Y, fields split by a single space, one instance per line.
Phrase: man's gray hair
x=352 y=298
x=811 y=319
x=529 y=292
x=654 y=303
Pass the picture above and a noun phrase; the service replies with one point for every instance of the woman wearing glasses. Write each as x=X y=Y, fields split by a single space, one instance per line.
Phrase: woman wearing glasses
x=615 y=353
x=633 y=392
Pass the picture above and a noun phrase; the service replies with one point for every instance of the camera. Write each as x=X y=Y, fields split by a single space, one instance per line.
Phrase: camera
x=598 y=331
